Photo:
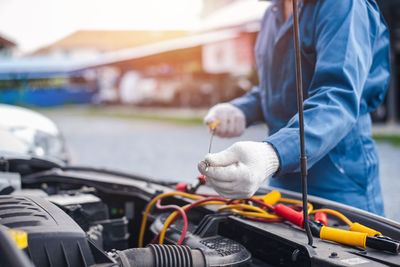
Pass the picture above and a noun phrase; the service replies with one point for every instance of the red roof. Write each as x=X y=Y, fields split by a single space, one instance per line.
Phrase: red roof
x=110 y=40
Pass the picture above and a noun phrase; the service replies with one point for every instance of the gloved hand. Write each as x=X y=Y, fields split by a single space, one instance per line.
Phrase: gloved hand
x=233 y=120
x=238 y=171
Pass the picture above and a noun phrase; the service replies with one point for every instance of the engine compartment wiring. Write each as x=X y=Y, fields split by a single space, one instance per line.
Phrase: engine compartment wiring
x=256 y=208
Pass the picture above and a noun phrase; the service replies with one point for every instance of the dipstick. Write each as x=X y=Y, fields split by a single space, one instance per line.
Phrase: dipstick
x=212 y=127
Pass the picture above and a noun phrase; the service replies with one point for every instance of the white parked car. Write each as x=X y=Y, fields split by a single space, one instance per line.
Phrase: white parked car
x=23 y=131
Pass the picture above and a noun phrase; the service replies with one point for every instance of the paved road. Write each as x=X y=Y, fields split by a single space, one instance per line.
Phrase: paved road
x=171 y=152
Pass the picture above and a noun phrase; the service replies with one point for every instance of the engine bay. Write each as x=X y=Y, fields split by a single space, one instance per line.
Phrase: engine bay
x=76 y=216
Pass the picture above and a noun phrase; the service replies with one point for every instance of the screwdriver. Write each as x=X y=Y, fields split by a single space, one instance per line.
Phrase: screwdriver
x=212 y=127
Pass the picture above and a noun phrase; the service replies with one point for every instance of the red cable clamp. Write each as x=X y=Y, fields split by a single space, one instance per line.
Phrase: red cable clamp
x=289 y=214
x=181 y=187
x=321 y=217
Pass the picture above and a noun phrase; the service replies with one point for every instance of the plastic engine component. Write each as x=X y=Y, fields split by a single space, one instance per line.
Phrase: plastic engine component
x=54 y=239
x=87 y=211
x=115 y=233
x=218 y=250
x=83 y=208
x=162 y=256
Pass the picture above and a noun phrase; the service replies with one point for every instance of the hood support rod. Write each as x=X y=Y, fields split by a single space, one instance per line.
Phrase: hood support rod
x=303 y=156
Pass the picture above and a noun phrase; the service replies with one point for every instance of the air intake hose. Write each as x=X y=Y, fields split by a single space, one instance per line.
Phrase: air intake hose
x=162 y=256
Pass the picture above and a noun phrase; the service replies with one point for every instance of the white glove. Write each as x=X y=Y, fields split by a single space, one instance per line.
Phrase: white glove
x=238 y=171
x=233 y=120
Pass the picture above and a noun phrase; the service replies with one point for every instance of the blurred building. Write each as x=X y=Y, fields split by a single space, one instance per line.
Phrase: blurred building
x=93 y=43
x=190 y=71
x=216 y=63
x=43 y=81
x=7 y=47
x=63 y=72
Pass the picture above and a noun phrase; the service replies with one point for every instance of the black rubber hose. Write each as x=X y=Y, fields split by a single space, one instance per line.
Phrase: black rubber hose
x=162 y=256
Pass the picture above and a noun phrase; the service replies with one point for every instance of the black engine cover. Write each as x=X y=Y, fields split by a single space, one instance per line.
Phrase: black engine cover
x=54 y=239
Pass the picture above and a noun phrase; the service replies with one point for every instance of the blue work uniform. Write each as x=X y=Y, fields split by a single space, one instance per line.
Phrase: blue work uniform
x=345 y=61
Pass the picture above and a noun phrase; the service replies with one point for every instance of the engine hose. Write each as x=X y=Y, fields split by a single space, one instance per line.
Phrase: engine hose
x=162 y=256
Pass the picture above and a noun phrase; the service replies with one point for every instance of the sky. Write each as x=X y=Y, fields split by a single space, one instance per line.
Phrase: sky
x=36 y=23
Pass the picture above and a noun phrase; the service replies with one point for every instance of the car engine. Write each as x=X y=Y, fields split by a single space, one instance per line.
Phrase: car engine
x=52 y=215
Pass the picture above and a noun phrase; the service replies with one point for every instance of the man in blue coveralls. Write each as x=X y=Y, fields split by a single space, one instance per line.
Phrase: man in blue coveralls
x=345 y=61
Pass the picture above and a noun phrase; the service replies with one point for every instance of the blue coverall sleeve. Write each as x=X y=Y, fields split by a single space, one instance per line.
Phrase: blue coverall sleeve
x=343 y=47
x=250 y=104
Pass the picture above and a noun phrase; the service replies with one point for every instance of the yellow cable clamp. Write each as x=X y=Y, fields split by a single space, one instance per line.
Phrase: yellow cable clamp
x=356 y=227
x=343 y=236
x=272 y=197
x=20 y=237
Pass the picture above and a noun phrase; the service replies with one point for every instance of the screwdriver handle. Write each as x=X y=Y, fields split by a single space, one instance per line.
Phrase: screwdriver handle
x=213 y=125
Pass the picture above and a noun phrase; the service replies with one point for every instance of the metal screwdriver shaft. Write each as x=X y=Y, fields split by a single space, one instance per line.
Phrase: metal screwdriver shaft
x=211 y=139
x=212 y=127
x=303 y=157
